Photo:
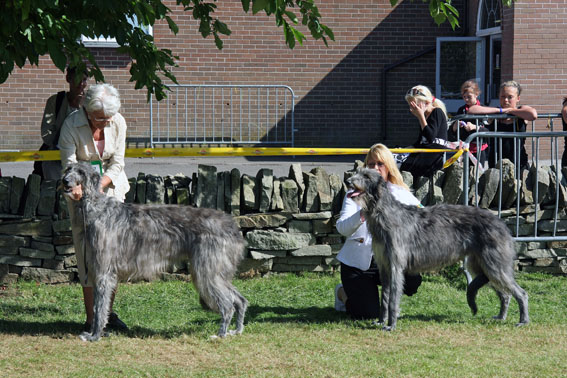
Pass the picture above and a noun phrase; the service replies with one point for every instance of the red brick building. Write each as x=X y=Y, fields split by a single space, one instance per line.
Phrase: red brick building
x=350 y=94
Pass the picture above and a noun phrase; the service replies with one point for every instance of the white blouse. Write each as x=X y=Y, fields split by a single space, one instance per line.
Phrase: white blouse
x=357 y=250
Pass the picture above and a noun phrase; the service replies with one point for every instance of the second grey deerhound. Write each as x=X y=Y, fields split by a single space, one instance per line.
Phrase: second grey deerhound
x=129 y=241
x=427 y=239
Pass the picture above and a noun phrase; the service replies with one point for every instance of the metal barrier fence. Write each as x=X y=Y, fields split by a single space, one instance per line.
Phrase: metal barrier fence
x=224 y=114
x=552 y=120
x=549 y=137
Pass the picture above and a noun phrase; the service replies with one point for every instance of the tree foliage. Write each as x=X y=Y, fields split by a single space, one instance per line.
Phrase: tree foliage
x=442 y=10
x=33 y=28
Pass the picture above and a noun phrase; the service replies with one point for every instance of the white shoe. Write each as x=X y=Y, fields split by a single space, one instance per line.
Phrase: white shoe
x=339 y=305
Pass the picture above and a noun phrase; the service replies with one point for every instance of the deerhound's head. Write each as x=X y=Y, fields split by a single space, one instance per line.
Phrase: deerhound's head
x=366 y=184
x=79 y=179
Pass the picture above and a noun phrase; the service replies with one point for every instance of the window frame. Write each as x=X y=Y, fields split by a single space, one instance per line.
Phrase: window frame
x=487 y=32
x=111 y=42
x=480 y=76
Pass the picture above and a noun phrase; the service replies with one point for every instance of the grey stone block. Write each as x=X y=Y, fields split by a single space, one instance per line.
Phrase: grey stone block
x=221 y=190
x=249 y=194
x=276 y=203
x=5 y=188
x=290 y=195
x=46 y=275
x=141 y=188
x=20 y=261
x=48 y=247
x=155 y=190
x=312 y=250
x=235 y=185
x=300 y=226
x=61 y=226
x=16 y=194
x=296 y=174
x=31 y=195
x=268 y=240
x=131 y=194
x=262 y=220
x=48 y=195
x=312 y=216
x=34 y=228
x=36 y=253
x=265 y=185
x=322 y=226
x=206 y=195
x=14 y=241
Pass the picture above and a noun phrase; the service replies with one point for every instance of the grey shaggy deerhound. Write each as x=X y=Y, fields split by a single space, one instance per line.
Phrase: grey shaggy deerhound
x=426 y=239
x=128 y=241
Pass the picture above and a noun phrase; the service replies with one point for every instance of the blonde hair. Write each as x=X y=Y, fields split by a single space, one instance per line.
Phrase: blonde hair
x=382 y=154
x=423 y=94
x=470 y=85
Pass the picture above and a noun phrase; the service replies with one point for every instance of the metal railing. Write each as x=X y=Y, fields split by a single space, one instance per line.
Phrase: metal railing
x=549 y=137
x=224 y=114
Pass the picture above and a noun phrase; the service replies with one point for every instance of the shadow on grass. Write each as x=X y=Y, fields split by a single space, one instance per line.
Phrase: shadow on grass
x=39 y=328
x=201 y=321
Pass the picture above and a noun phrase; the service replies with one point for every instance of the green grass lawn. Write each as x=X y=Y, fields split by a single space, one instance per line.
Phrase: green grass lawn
x=291 y=330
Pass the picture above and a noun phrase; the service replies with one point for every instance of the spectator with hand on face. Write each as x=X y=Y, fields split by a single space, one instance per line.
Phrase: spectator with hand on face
x=432 y=118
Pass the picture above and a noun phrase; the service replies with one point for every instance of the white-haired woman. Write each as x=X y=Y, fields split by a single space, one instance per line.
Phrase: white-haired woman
x=432 y=117
x=358 y=294
x=96 y=133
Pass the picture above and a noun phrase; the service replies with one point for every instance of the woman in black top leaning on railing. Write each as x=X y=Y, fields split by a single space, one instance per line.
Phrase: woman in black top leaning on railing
x=509 y=104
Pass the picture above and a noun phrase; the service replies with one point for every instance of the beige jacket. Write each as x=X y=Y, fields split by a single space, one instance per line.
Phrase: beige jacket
x=77 y=144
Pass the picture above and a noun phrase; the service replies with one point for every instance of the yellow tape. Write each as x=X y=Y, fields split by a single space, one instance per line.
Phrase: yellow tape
x=214 y=151
x=453 y=159
x=240 y=151
x=29 y=155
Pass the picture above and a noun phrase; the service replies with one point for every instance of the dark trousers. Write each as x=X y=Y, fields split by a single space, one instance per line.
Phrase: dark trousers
x=423 y=164
x=361 y=287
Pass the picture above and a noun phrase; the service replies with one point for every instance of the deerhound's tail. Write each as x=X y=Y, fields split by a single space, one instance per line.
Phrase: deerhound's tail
x=472 y=288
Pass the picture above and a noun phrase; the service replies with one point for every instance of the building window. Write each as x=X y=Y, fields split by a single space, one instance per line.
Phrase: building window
x=489 y=17
x=493 y=85
x=458 y=59
x=111 y=42
x=463 y=58
x=489 y=26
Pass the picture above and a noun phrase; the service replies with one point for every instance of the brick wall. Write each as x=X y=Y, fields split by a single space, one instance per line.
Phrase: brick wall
x=540 y=56
x=539 y=52
x=339 y=88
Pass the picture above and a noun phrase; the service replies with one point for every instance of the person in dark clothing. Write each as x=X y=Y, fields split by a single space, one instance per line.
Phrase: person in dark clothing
x=57 y=108
x=509 y=104
x=461 y=129
x=432 y=117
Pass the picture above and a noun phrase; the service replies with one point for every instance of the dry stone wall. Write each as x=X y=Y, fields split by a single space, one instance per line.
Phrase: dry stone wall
x=288 y=222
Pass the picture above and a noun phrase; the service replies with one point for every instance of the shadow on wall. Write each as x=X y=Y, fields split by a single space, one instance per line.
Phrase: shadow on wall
x=344 y=109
